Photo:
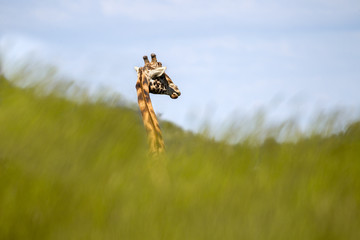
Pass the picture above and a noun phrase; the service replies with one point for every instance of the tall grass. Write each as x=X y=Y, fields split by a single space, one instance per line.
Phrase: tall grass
x=74 y=169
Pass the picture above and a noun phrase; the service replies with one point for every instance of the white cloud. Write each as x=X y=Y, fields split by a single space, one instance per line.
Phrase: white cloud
x=246 y=11
x=65 y=11
x=50 y=14
x=40 y=12
x=242 y=12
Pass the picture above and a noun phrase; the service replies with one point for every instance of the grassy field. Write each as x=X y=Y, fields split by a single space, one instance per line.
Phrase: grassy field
x=73 y=169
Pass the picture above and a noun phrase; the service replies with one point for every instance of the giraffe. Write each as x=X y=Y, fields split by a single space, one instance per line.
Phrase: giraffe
x=152 y=79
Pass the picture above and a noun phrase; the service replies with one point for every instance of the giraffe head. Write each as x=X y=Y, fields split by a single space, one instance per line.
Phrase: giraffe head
x=159 y=81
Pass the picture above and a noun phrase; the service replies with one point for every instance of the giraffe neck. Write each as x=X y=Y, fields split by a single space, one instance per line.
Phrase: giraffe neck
x=148 y=115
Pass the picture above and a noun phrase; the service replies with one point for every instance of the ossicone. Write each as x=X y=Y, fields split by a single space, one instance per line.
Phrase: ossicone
x=146 y=60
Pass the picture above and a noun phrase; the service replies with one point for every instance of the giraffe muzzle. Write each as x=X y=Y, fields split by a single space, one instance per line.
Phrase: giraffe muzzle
x=174 y=96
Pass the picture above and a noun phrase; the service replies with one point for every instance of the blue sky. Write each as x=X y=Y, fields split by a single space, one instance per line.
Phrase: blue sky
x=227 y=57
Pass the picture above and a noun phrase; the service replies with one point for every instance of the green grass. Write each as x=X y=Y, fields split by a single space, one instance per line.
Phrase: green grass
x=79 y=170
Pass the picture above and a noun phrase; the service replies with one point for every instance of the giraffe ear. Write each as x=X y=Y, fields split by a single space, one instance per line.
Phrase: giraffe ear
x=136 y=69
x=157 y=72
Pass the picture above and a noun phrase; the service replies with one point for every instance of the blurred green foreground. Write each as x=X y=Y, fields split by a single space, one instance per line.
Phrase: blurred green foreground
x=74 y=169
